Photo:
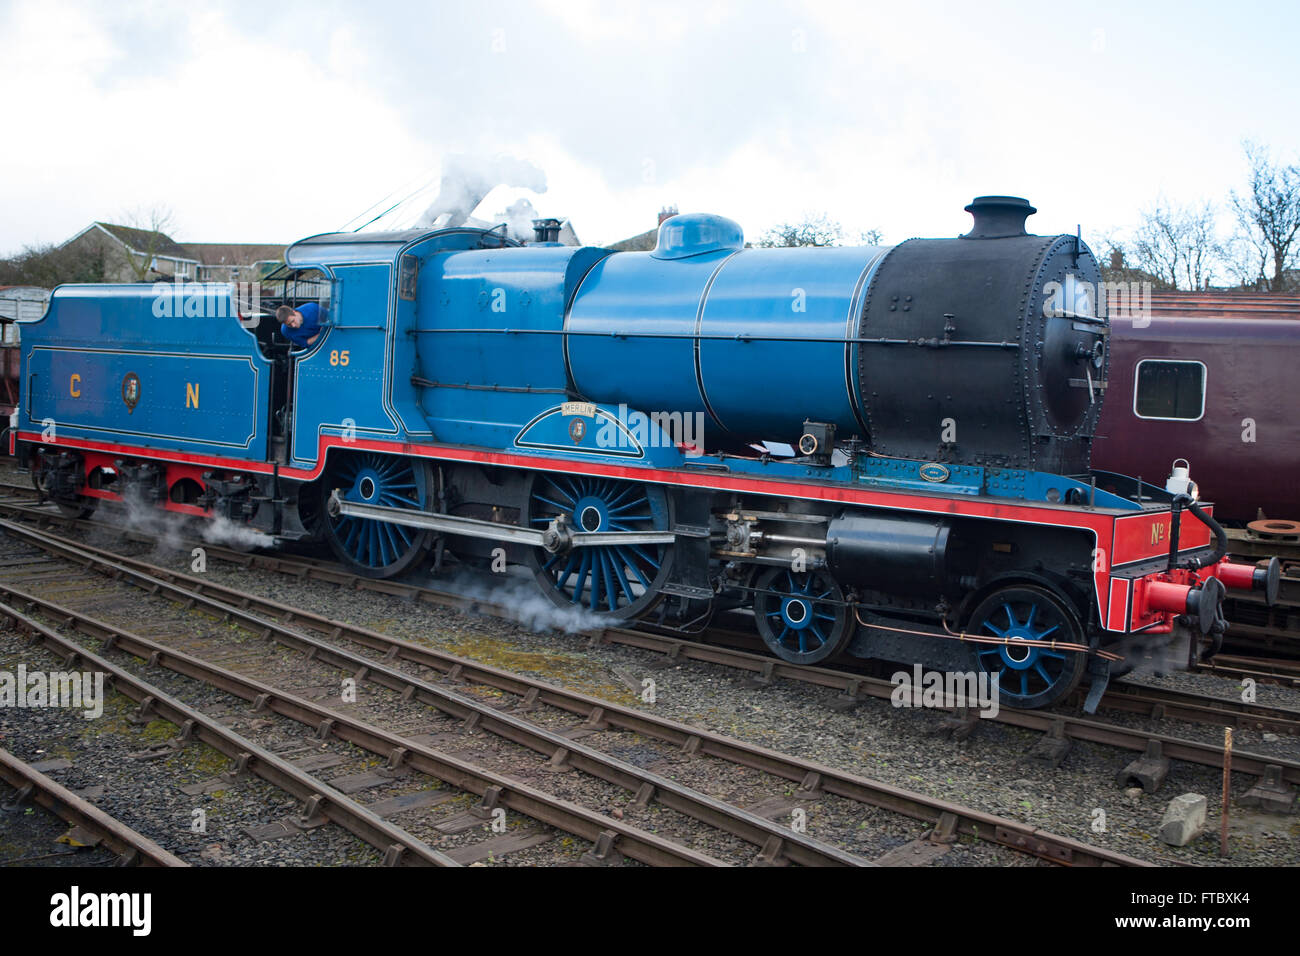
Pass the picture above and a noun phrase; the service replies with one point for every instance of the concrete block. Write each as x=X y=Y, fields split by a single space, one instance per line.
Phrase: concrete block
x=1052 y=748
x=1272 y=794
x=1148 y=771
x=1184 y=819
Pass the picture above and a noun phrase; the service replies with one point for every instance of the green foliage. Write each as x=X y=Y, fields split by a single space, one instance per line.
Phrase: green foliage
x=49 y=265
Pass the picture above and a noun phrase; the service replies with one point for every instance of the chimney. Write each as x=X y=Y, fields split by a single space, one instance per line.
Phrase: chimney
x=667 y=213
x=546 y=230
x=998 y=217
x=1116 y=260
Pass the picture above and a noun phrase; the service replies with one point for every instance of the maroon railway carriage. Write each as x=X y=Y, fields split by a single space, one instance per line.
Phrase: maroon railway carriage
x=15 y=302
x=1210 y=377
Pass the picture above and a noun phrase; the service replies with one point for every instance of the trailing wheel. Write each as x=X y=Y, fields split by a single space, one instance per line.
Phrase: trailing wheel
x=377 y=549
x=1030 y=672
x=801 y=616
x=620 y=582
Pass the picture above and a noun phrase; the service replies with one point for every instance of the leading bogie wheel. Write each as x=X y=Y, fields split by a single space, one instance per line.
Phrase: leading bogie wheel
x=801 y=615
x=1031 y=673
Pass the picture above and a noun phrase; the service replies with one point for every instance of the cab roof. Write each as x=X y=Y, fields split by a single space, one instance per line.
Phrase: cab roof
x=339 y=248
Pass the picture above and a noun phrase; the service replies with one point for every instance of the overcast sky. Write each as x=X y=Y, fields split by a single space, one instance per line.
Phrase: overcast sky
x=266 y=122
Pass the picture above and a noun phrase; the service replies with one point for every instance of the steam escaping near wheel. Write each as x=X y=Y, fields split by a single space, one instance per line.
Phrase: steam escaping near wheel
x=518 y=599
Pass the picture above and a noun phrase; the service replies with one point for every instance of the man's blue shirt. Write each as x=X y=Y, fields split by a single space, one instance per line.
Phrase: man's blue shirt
x=311 y=313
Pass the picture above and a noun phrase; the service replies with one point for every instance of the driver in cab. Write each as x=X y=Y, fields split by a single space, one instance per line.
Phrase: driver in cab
x=301 y=326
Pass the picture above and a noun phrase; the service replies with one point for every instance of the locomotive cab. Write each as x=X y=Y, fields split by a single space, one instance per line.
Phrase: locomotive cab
x=292 y=287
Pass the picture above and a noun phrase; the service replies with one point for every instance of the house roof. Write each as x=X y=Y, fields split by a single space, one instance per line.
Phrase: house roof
x=234 y=253
x=200 y=253
x=140 y=240
x=644 y=242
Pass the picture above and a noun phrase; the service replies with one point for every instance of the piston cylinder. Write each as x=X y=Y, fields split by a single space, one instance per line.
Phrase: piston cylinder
x=889 y=553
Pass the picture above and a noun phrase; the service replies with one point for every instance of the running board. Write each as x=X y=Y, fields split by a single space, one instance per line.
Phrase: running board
x=558 y=536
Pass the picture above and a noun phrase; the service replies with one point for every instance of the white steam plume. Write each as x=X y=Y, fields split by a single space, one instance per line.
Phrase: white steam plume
x=518 y=217
x=519 y=599
x=173 y=531
x=221 y=530
x=466 y=181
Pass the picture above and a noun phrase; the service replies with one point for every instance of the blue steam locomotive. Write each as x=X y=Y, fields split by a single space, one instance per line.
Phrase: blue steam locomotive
x=875 y=451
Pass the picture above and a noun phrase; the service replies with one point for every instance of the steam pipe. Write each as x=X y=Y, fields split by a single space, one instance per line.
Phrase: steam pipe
x=1220 y=536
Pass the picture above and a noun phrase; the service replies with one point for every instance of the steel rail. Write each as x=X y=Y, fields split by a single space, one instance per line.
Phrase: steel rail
x=1279 y=672
x=320 y=798
x=812 y=776
x=1154 y=702
x=797 y=847
x=1161 y=702
x=310 y=569
x=323 y=800
x=131 y=847
x=759 y=831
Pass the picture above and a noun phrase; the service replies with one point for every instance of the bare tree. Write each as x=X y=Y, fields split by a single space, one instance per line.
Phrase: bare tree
x=1203 y=250
x=1176 y=244
x=818 y=230
x=152 y=224
x=1268 y=220
x=1111 y=252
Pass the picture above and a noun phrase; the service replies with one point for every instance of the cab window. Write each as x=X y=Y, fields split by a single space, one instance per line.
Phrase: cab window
x=283 y=286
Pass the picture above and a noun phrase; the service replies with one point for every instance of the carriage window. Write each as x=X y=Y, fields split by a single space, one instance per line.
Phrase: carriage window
x=1169 y=390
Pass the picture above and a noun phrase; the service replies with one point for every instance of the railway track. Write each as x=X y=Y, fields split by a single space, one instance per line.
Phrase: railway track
x=726 y=647
x=1274 y=671
x=1150 y=702
x=323 y=802
x=90 y=825
x=289 y=627
x=1260 y=630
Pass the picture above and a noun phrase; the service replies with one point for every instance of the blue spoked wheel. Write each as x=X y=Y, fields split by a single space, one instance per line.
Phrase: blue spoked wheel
x=1030 y=673
x=372 y=548
x=801 y=616
x=620 y=582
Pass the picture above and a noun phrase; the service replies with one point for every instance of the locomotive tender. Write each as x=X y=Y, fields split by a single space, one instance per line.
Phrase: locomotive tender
x=472 y=397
